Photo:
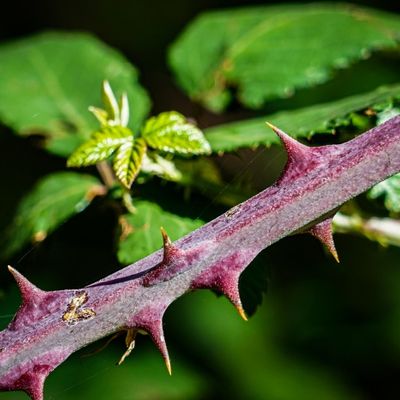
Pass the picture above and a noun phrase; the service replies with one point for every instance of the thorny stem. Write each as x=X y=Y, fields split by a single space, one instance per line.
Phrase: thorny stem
x=50 y=326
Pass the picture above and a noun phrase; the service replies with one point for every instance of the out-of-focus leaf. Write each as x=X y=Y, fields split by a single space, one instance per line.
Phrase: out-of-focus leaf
x=387 y=113
x=154 y=164
x=102 y=145
x=268 y=52
x=128 y=160
x=389 y=190
x=172 y=133
x=48 y=81
x=321 y=118
x=141 y=231
x=51 y=202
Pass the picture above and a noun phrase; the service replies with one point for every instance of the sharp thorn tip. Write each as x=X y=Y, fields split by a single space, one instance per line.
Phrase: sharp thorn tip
x=273 y=127
x=168 y=365
x=242 y=313
x=335 y=255
x=166 y=239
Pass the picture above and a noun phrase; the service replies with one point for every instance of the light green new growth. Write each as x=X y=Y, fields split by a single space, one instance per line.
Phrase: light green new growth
x=389 y=189
x=168 y=132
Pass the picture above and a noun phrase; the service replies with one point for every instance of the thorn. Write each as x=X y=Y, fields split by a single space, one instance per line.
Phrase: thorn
x=157 y=334
x=130 y=344
x=168 y=365
x=166 y=240
x=230 y=288
x=323 y=232
x=29 y=292
x=295 y=150
x=174 y=260
x=241 y=312
x=171 y=252
x=32 y=382
x=35 y=391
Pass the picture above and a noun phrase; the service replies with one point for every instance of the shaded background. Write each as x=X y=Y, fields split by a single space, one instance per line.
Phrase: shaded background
x=324 y=331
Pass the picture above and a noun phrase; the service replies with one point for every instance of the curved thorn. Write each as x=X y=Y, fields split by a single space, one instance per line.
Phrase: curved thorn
x=323 y=232
x=169 y=249
x=229 y=286
x=241 y=312
x=295 y=150
x=166 y=240
x=29 y=292
x=157 y=335
x=171 y=252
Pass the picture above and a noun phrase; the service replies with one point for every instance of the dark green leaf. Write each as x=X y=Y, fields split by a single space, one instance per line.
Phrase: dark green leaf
x=48 y=81
x=322 y=118
x=389 y=190
x=170 y=132
x=51 y=202
x=102 y=145
x=141 y=231
x=128 y=160
x=268 y=52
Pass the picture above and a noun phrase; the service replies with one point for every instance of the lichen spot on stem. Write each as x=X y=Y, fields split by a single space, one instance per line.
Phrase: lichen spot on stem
x=74 y=312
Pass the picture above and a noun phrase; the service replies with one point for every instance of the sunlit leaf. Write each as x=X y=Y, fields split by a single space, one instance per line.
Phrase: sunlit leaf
x=304 y=122
x=172 y=133
x=110 y=102
x=154 y=164
x=268 y=52
x=389 y=190
x=128 y=160
x=53 y=200
x=102 y=145
x=141 y=231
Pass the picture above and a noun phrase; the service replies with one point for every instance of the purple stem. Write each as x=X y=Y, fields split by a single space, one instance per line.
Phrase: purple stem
x=49 y=326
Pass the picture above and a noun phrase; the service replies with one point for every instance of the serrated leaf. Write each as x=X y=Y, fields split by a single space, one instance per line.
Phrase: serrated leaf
x=53 y=200
x=102 y=145
x=170 y=132
x=128 y=160
x=48 y=81
x=268 y=52
x=141 y=231
x=389 y=190
x=305 y=122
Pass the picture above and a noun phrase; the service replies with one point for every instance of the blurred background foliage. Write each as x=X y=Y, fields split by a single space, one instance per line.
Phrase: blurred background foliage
x=323 y=331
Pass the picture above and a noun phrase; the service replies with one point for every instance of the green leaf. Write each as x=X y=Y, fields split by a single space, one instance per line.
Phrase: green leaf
x=389 y=190
x=48 y=81
x=110 y=102
x=53 y=200
x=321 y=118
x=141 y=231
x=154 y=164
x=170 y=132
x=102 y=145
x=267 y=52
x=128 y=160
